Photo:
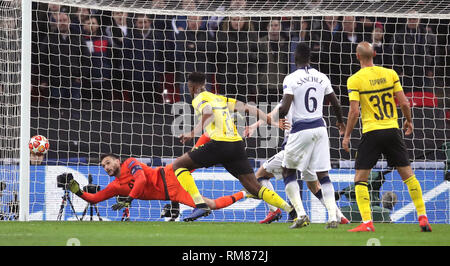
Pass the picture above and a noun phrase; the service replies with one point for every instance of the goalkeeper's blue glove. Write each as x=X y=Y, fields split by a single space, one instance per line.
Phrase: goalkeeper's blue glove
x=122 y=204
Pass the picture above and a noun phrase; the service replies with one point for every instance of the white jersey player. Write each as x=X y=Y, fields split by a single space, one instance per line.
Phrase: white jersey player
x=273 y=168
x=307 y=149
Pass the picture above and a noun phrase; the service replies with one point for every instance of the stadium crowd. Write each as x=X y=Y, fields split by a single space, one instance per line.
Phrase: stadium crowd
x=81 y=53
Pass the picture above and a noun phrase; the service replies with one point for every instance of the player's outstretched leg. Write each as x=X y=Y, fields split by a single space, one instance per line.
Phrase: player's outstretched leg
x=415 y=192
x=329 y=199
x=318 y=194
x=274 y=212
x=182 y=167
x=293 y=192
x=271 y=197
x=363 y=201
x=216 y=204
x=195 y=214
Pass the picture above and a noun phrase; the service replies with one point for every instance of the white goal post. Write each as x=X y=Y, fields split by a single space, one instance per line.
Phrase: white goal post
x=110 y=76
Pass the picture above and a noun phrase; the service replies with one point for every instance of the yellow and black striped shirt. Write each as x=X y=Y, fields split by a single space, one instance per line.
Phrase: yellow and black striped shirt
x=374 y=88
x=222 y=128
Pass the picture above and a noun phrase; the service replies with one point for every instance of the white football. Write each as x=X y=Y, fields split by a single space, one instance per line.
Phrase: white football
x=39 y=144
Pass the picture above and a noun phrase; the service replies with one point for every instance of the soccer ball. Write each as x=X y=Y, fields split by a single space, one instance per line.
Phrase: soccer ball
x=39 y=144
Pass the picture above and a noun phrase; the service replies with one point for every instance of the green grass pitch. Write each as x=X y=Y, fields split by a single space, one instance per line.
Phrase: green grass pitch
x=213 y=234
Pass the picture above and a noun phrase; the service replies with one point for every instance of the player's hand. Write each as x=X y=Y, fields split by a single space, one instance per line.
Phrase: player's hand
x=249 y=130
x=122 y=204
x=346 y=144
x=74 y=187
x=341 y=127
x=408 y=127
x=186 y=137
x=269 y=120
x=284 y=124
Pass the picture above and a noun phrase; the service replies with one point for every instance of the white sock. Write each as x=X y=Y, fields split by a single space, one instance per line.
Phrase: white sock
x=329 y=200
x=339 y=214
x=266 y=183
x=293 y=193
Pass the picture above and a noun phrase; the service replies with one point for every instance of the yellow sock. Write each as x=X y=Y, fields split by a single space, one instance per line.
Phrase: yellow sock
x=272 y=198
x=187 y=182
x=363 y=201
x=415 y=191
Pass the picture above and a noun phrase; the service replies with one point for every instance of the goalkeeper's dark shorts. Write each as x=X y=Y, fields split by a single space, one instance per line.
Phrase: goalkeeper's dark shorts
x=232 y=156
x=388 y=142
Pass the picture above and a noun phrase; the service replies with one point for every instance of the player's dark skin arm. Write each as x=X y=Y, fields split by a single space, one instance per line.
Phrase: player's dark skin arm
x=207 y=117
x=282 y=112
x=337 y=111
x=252 y=110
x=285 y=105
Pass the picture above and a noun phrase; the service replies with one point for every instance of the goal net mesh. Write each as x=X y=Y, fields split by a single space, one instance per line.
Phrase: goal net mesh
x=10 y=38
x=110 y=77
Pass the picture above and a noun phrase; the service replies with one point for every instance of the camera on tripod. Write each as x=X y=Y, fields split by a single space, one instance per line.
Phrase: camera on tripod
x=91 y=188
x=63 y=180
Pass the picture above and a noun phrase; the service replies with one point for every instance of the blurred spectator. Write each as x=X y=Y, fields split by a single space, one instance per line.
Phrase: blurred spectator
x=43 y=17
x=143 y=60
x=414 y=50
x=96 y=61
x=179 y=23
x=273 y=62
x=77 y=19
x=237 y=58
x=303 y=34
x=119 y=31
x=162 y=24
x=343 y=59
x=36 y=158
x=429 y=81
x=365 y=27
x=52 y=12
x=194 y=52
x=59 y=64
x=381 y=46
x=214 y=23
x=322 y=38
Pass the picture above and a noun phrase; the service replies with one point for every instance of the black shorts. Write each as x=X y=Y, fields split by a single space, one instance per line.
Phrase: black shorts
x=232 y=155
x=388 y=142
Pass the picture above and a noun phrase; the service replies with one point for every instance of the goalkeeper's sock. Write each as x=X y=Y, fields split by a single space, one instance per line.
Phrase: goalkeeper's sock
x=293 y=192
x=415 y=191
x=272 y=198
x=265 y=181
x=328 y=196
x=187 y=182
x=226 y=201
x=363 y=201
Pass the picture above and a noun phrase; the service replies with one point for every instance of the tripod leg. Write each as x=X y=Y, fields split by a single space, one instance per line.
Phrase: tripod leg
x=91 y=210
x=73 y=209
x=84 y=212
x=98 y=213
x=61 y=209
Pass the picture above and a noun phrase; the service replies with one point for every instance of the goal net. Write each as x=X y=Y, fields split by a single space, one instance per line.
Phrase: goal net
x=110 y=77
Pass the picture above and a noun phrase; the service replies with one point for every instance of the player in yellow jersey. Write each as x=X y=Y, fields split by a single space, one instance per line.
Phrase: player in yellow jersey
x=375 y=89
x=226 y=146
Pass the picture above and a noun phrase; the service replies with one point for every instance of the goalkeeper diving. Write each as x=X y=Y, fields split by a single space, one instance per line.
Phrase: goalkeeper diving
x=136 y=180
